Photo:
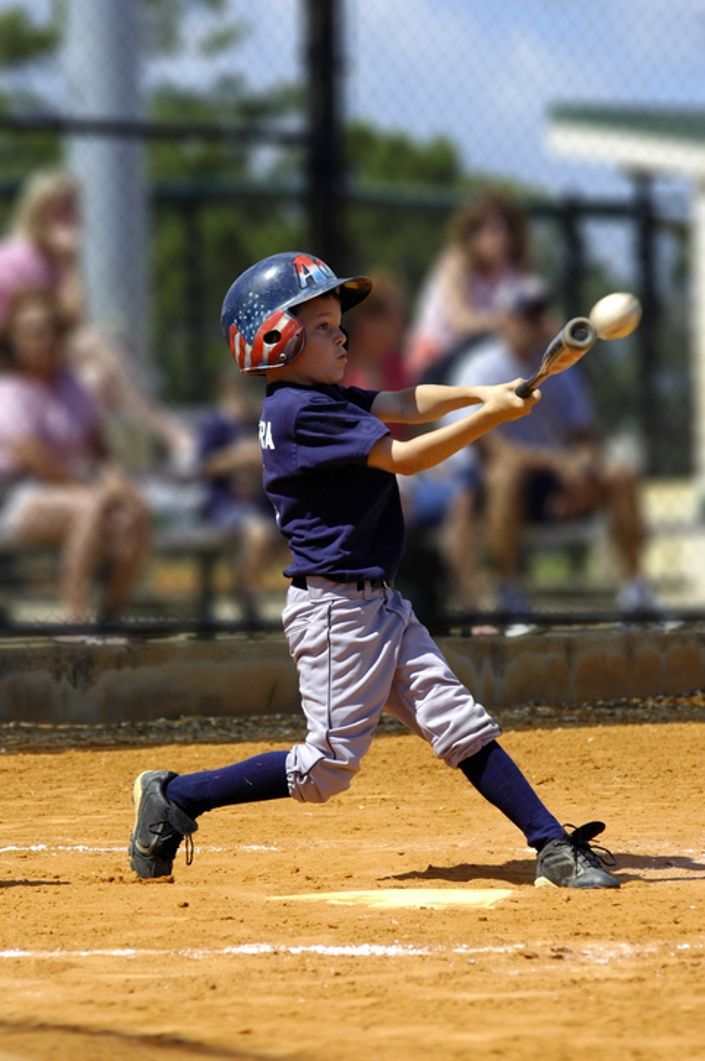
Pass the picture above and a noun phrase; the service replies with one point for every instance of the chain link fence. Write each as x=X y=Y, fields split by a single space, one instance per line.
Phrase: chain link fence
x=205 y=134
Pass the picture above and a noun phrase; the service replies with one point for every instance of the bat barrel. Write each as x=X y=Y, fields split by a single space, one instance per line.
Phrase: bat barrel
x=579 y=333
x=573 y=340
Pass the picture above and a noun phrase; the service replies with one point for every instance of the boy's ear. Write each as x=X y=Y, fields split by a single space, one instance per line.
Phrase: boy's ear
x=345 y=333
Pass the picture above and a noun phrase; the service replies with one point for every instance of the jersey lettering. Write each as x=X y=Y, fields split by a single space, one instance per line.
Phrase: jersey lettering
x=265 y=435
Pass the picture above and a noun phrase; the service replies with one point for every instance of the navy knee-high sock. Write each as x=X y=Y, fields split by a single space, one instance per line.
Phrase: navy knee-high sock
x=497 y=777
x=259 y=778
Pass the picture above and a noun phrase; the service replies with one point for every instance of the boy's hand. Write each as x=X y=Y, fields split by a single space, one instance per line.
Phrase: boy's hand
x=503 y=400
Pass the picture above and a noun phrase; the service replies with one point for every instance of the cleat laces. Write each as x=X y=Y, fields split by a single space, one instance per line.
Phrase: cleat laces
x=595 y=854
x=169 y=838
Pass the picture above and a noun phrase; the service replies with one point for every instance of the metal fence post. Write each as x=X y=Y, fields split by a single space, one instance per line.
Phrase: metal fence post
x=573 y=274
x=102 y=66
x=647 y=335
x=325 y=172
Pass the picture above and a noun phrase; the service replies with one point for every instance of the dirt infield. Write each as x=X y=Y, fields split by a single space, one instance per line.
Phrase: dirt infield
x=228 y=962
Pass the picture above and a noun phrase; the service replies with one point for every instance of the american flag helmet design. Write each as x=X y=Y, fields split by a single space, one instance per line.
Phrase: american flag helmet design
x=258 y=328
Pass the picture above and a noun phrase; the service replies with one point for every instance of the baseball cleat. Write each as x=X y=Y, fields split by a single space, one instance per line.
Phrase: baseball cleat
x=571 y=862
x=159 y=827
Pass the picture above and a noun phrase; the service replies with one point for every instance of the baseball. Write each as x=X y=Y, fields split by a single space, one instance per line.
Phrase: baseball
x=616 y=315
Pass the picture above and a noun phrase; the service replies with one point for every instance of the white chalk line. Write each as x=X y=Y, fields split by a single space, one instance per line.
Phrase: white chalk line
x=595 y=953
x=83 y=849
x=688 y=852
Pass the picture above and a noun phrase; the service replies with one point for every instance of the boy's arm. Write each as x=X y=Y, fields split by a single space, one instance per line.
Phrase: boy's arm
x=424 y=403
x=433 y=447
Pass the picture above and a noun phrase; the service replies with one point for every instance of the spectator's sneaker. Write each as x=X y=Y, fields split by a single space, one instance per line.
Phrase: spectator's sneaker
x=635 y=600
x=159 y=828
x=512 y=601
x=570 y=861
x=511 y=598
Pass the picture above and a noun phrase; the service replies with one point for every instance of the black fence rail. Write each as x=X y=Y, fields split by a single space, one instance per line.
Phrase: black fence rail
x=222 y=193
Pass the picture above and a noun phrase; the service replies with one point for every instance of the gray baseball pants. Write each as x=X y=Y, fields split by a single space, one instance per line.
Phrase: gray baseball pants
x=357 y=651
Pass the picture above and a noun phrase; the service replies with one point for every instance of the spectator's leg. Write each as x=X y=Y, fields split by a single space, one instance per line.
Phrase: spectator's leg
x=460 y=547
x=127 y=525
x=504 y=515
x=258 y=541
x=622 y=500
x=256 y=546
x=73 y=517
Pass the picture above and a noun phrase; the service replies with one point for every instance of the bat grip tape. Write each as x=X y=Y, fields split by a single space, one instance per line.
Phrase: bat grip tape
x=524 y=389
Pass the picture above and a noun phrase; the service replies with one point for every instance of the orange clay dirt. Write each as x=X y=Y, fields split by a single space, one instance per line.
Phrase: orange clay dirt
x=218 y=964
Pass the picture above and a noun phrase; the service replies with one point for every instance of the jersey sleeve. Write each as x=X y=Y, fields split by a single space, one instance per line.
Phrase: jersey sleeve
x=331 y=431
x=360 y=396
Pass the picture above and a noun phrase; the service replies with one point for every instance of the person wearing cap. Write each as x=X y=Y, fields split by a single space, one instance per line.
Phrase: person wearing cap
x=550 y=467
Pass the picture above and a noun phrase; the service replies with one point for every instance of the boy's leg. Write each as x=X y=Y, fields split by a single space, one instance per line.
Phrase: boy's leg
x=167 y=804
x=565 y=860
x=346 y=660
x=430 y=700
x=345 y=645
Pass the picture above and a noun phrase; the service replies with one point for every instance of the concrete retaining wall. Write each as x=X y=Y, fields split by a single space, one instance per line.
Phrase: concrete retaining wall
x=51 y=681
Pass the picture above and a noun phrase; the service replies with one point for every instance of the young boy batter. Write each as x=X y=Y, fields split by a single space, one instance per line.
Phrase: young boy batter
x=330 y=469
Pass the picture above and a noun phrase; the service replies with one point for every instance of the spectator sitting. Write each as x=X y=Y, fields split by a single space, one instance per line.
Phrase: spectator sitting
x=59 y=485
x=461 y=298
x=376 y=338
x=547 y=467
x=42 y=250
x=376 y=334
x=229 y=458
x=375 y=344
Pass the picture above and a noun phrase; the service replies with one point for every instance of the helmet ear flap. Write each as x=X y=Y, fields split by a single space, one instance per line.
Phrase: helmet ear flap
x=279 y=339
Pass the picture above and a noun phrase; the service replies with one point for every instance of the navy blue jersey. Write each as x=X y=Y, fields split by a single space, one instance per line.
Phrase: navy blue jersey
x=342 y=519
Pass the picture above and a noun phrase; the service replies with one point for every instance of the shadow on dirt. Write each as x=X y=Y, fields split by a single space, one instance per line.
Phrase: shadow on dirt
x=105 y=1044
x=660 y=864
x=33 y=883
x=523 y=871
x=516 y=871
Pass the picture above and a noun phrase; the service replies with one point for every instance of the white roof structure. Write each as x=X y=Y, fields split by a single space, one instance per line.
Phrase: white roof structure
x=668 y=142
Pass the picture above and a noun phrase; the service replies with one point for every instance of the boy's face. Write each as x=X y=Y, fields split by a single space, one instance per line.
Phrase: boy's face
x=323 y=358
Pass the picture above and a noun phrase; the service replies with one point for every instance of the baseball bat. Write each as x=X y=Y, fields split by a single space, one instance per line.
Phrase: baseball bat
x=572 y=342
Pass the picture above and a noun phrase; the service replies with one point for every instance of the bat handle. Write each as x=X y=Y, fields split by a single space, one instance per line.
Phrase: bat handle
x=524 y=390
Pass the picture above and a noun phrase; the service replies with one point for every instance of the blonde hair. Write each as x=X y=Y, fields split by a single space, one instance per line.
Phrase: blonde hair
x=38 y=191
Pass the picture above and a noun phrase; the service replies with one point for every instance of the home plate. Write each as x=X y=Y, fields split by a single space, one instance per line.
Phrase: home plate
x=395 y=898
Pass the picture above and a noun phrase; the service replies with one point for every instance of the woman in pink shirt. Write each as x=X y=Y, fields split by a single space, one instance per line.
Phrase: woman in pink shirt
x=462 y=296
x=42 y=250
x=59 y=484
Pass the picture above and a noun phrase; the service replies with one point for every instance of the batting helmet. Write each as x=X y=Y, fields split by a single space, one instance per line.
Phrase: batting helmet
x=259 y=329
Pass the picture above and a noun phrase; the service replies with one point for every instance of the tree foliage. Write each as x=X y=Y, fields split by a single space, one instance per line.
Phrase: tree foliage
x=221 y=203
x=23 y=40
